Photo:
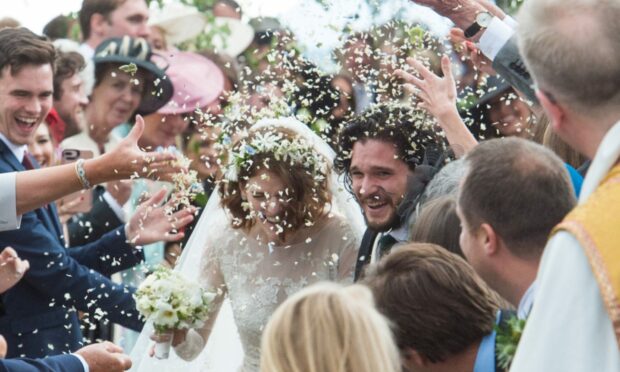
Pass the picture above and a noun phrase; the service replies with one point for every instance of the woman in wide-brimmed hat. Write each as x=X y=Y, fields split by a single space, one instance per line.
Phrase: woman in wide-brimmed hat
x=120 y=92
x=118 y=95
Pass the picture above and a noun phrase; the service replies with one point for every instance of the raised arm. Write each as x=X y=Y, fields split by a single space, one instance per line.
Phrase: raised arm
x=35 y=188
x=438 y=95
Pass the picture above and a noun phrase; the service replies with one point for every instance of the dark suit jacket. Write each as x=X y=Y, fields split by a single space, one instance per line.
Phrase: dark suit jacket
x=90 y=226
x=509 y=64
x=57 y=363
x=365 y=252
x=39 y=312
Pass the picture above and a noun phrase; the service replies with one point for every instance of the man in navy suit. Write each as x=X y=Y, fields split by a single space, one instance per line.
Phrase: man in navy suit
x=93 y=358
x=39 y=314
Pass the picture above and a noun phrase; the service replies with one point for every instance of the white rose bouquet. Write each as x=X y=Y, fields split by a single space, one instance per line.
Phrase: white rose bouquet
x=170 y=301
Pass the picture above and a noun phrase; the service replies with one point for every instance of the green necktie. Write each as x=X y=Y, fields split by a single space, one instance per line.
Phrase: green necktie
x=385 y=244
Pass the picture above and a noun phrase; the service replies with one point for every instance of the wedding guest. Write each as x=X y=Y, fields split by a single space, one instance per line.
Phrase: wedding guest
x=438 y=95
x=227 y=9
x=197 y=84
x=98 y=357
x=42 y=147
x=507 y=209
x=66 y=118
x=104 y=19
x=21 y=192
x=438 y=224
x=174 y=23
x=326 y=327
x=62 y=27
x=57 y=276
x=12 y=269
x=119 y=94
x=443 y=314
x=358 y=59
x=116 y=97
x=382 y=157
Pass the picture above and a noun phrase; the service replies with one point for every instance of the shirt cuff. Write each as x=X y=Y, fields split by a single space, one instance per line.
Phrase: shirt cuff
x=495 y=37
x=116 y=208
x=511 y=22
x=9 y=220
x=83 y=361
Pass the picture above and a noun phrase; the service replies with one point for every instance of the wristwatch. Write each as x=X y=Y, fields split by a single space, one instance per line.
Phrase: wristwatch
x=483 y=19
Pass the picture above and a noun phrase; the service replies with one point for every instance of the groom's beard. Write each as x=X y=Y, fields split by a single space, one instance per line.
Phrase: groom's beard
x=401 y=210
x=387 y=202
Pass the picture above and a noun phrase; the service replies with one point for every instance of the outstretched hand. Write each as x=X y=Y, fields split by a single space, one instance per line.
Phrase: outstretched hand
x=461 y=12
x=153 y=222
x=12 y=268
x=128 y=161
x=438 y=94
x=479 y=60
x=105 y=356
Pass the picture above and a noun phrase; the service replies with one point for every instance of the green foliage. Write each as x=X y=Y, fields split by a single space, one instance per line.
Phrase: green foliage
x=510 y=6
x=508 y=336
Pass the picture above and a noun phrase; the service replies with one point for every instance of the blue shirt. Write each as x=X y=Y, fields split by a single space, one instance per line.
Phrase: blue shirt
x=575 y=178
x=485 y=359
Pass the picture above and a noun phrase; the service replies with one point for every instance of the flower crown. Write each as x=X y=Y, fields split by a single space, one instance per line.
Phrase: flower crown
x=296 y=151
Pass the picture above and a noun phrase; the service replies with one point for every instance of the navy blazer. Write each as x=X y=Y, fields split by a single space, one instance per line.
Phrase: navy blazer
x=56 y=363
x=40 y=316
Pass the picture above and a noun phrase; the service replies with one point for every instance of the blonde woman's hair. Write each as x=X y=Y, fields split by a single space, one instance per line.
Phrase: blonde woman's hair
x=329 y=328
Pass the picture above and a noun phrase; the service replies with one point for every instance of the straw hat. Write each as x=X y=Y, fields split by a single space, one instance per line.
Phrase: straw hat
x=180 y=22
x=235 y=38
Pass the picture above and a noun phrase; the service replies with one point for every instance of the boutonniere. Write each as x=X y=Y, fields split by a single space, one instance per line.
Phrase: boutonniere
x=507 y=339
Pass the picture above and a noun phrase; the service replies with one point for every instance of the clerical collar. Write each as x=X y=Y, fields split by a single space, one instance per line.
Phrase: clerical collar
x=18 y=150
x=485 y=359
x=527 y=301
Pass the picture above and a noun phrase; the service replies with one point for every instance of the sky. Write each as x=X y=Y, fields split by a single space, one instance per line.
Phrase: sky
x=318 y=30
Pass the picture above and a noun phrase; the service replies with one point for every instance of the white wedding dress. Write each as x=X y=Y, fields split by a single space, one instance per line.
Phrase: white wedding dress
x=255 y=278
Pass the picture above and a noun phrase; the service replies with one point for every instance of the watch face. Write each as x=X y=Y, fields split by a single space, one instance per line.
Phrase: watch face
x=484 y=19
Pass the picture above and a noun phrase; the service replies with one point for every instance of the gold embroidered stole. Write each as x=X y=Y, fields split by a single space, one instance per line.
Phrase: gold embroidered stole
x=596 y=225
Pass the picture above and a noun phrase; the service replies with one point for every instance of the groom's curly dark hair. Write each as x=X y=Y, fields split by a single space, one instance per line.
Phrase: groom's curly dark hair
x=410 y=130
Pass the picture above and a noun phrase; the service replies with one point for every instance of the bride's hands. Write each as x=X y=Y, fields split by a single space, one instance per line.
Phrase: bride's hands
x=178 y=337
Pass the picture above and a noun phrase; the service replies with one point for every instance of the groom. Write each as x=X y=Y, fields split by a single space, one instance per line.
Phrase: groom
x=385 y=156
x=39 y=315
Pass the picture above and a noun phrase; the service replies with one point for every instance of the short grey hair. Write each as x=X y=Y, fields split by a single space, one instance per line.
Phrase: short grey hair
x=444 y=183
x=572 y=48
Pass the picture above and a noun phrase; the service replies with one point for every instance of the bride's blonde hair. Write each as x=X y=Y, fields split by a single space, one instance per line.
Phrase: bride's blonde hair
x=327 y=327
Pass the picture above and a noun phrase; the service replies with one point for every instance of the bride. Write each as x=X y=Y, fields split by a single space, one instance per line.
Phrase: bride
x=280 y=222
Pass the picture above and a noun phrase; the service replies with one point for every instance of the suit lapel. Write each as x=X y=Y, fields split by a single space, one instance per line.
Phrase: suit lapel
x=363 y=257
x=53 y=215
x=49 y=214
x=8 y=156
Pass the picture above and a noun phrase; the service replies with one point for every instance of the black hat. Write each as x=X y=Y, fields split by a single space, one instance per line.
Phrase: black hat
x=125 y=50
x=495 y=87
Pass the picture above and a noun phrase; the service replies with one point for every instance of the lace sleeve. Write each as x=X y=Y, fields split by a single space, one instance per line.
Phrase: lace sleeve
x=349 y=247
x=344 y=243
x=212 y=279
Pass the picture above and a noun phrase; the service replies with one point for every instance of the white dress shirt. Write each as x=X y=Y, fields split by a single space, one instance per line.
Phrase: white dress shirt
x=9 y=220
